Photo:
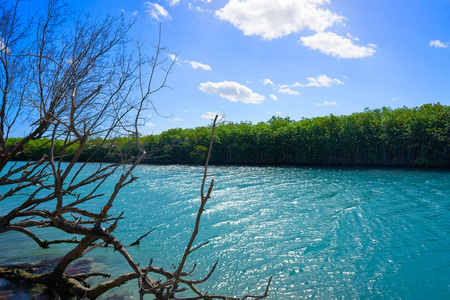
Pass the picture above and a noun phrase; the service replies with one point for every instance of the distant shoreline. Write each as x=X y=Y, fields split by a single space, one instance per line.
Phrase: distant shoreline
x=416 y=137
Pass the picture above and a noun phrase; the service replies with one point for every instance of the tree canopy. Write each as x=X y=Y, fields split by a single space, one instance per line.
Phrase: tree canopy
x=411 y=137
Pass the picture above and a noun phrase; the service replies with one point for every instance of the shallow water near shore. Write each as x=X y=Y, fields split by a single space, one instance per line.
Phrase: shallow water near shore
x=322 y=232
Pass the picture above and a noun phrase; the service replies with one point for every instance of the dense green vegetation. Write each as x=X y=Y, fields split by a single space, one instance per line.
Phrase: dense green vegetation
x=418 y=137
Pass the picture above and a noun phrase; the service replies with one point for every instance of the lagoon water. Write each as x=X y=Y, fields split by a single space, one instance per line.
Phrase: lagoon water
x=322 y=232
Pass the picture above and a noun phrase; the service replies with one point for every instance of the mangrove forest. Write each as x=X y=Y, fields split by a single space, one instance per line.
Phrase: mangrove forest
x=403 y=137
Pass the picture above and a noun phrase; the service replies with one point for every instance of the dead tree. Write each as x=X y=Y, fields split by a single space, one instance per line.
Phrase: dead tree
x=72 y=81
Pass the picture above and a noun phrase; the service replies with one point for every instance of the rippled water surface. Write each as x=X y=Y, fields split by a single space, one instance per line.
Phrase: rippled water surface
x=322 y=232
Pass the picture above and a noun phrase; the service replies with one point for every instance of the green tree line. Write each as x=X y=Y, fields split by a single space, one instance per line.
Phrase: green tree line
x=413 y=137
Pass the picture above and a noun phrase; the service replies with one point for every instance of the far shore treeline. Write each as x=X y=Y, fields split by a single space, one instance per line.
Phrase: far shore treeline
x=403 y=137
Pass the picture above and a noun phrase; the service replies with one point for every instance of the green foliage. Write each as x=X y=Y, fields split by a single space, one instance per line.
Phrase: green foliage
x=417 y=137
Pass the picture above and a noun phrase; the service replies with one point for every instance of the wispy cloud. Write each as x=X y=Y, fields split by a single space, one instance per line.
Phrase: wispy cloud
x=173 y=56
x=320 y=81
x=197 y=65
x=173 y=2
x=273 y=19
x=267 y=81
x=156 y=11
x=193 y=64
x=232 y=91
x=438 y=44
x=209 y=115
x=200 y=9
x=273 y=97
x=336 y=45
x=327 y=103
x=175 y=119
x=355 y=38
x=274 y=113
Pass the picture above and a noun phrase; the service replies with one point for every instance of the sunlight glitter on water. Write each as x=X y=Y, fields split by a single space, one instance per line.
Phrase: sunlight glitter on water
x=322 y=232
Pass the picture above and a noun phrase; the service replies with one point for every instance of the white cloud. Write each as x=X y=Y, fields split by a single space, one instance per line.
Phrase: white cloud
x=135 y=13
x=323 y=80
x=327 y=103
x=4 y=48
x=193 y=64
x=267 y=81
x=198 y=8
x=156 y=11
x=173 y=2
x=210 y=115
x=320 y=81
x=196 y=65
x=288 y=91
x=273 y=97
x=355 y=38
x=149 y=124
x=438 y=44
x=232 y=91
x=274 y=113
x=336 y=45
x=176 y=119
x=272 y=19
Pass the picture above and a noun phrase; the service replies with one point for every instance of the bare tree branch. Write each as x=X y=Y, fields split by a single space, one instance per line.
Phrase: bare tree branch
x=76 y=90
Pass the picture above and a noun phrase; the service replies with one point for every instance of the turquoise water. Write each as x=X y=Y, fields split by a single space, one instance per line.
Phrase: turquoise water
x=322 y=232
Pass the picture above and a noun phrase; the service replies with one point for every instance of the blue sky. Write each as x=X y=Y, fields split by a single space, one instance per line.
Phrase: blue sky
x=252 y=59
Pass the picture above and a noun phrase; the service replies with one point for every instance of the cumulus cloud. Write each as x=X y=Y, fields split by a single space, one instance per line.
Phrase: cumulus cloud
x=149 y=124
x=156 y=11
x=232 y=91
x=267 y=81
x=272 y=19
x=327 y=103
x=273 y=97
x=209 y=115
x=320 y=81
x=438 y=44
x=288 y=91
x=336 y=45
